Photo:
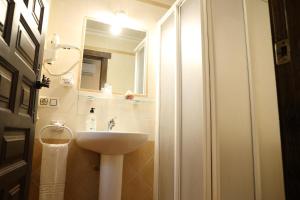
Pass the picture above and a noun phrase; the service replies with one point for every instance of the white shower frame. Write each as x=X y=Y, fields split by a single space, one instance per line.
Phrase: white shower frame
x=216 y=182
x=212 y=165
x=207 y=153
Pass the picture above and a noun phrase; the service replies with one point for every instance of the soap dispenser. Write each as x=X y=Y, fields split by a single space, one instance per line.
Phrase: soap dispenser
x=91 y=122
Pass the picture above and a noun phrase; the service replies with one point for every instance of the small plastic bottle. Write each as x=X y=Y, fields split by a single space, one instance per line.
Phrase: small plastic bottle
x=91 y=122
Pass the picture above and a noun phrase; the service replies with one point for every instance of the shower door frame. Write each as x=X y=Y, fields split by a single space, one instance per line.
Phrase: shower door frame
x=207 y=133
x=211 y=153
x=215 y=143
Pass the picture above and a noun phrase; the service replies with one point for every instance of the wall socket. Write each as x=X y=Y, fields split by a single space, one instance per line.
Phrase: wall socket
x=43 y=101
x=50 y=102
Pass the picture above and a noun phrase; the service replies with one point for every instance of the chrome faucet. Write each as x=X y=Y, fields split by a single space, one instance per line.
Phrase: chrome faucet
x=111 y=124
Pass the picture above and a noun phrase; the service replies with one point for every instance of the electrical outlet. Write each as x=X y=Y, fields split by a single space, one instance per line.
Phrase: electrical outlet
x=43 y=101
x=53 y=102
x=50 y=102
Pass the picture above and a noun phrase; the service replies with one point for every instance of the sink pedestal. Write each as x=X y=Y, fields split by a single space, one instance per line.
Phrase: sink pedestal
x=111 y=173
x=112 y=146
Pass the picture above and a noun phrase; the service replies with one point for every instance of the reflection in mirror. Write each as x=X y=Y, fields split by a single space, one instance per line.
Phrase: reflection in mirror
x=94 y=69
x=3 y=11
x=113 y=61
x=91 y=74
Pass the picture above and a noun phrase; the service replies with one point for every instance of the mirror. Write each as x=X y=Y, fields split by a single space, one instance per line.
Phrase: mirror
x=113 y=62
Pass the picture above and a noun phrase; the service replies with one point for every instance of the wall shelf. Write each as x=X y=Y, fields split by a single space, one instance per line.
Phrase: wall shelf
x=92 y=96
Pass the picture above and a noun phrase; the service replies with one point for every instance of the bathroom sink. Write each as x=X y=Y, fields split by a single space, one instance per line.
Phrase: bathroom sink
x=111 y=142
x=112 y=145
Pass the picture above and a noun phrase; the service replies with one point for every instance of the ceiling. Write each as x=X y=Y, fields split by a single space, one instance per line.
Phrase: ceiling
x=104 y=29
x=159 y=3
x=142 y=14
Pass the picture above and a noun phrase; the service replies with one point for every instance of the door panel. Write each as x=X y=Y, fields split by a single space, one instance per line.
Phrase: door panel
x=22 y=35
x=27 y=98
x=13 y=145
x=167 y=109
x=3 y=7
x=233 y=163
x=6 y=17
x=192 y=136
x=38 y=12
x=25 y=45
x=8 y=76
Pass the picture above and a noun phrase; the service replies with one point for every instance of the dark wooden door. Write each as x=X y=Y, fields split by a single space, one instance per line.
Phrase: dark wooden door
x=285 y=21
x=22 y=28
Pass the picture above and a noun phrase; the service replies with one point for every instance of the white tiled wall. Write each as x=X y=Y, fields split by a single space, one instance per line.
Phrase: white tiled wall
x=130 y=115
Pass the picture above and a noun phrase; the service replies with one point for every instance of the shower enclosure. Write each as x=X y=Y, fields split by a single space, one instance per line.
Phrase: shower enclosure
x=209 y=120
x=182 y=150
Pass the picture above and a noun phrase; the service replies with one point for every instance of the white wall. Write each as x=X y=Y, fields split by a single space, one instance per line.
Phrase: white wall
x=265 y=99
x=67 y=19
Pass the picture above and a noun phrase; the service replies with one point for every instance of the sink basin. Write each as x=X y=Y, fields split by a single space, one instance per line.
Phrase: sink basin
x=111 y=143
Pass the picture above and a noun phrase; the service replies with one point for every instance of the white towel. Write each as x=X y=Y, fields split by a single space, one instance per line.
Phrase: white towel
x=53 y=171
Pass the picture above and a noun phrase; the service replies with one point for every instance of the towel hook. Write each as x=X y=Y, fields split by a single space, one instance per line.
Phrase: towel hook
x=57 y=126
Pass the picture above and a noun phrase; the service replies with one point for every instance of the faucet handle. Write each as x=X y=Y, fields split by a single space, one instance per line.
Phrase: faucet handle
x=111 y=123
x=113 y=119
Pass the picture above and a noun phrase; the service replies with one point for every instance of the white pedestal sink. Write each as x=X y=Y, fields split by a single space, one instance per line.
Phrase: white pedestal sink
x=112 y=145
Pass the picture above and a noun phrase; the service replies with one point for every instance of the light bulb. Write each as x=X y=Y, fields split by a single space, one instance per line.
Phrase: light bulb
x=120 y=18
x=116 y=29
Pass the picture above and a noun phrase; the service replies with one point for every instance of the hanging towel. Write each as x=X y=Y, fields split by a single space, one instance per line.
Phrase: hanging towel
x=53 y=171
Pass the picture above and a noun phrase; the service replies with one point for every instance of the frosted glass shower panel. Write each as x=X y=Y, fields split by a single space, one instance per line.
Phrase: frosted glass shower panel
x=167 y=108
x=192 y=114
